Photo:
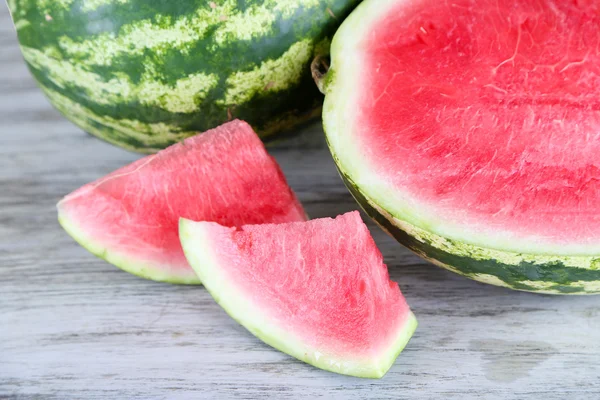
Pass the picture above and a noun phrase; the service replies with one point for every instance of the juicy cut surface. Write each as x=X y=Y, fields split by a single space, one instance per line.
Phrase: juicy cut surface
x=223 y=175
x=488 y=112
x=322 y=280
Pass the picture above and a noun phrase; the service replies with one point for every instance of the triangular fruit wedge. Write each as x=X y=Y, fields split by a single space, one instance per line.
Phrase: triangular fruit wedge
x=130 y=217
x=318 y=290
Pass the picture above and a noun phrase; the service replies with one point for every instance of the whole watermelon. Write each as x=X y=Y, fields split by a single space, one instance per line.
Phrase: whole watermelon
x=145 y=74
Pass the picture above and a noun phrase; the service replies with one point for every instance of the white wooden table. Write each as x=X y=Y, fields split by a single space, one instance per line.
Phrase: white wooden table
x=73 y=326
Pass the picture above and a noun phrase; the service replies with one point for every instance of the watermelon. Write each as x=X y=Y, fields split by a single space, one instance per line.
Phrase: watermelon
x=146 y=74
x=469 y=130
x=130 y=217
x=316 y=290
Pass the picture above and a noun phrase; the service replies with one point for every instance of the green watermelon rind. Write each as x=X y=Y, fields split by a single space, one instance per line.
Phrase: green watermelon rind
x=516 y=266
x=137 y=136
x=142 y=269
x=198 y=248
x=146 y=75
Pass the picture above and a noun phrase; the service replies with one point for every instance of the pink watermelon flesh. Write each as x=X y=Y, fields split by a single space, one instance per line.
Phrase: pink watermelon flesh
x=130 y=217
x=322 y=283
x=489 y=110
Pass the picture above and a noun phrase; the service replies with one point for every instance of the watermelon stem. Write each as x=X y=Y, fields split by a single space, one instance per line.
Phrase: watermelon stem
x=319 y=68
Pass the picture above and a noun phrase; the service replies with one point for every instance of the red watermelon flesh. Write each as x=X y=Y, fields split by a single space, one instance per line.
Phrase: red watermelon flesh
x=130 y=217
x=486 y=113
x=317 y=290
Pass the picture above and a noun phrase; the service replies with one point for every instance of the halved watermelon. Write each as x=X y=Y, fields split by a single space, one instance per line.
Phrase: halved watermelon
x=470 y=130
x=316 y=290
x=130 y=217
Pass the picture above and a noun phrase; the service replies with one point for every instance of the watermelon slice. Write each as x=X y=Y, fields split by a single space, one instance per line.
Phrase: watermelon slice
x=316 y=290
x=130 y=217
x=470 y=130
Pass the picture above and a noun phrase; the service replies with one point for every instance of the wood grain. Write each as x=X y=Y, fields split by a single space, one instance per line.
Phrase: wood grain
x=72 y=326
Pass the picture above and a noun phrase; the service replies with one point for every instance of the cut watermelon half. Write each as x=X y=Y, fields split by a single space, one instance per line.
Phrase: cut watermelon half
x=316 y=290
x=130 y=217
x=470 y=130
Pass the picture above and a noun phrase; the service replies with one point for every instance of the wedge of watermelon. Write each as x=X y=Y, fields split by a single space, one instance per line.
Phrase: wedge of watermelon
x=316 y=290
x=130 y=217
x=470 y=131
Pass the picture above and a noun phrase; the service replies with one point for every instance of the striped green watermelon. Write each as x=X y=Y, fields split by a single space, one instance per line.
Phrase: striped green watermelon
x=146 y=74
x=469 y=130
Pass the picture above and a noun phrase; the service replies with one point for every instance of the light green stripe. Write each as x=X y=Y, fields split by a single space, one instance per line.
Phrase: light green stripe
x=86 y=5
x=269 y=76
x=91 y=5
x=182 y=97
x=258 y=21
x=181 y=34
x=549 y=287
x=47 y=5
x=133 y=39
x=21 y=24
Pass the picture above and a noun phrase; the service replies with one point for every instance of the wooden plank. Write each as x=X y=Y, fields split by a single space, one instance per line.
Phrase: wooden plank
x=72 y=326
